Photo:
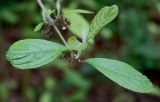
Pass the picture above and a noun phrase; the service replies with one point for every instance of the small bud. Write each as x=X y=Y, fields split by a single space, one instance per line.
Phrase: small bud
x=64 y=28
x=65 y=23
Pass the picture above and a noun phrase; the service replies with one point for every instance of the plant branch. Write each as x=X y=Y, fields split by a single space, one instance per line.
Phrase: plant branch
x=41 y=5
x=50 y=20
x=58 y=6
x=60 y=35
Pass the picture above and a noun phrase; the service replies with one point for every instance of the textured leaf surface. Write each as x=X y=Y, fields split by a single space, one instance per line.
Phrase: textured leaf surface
x=38 y=27
x=103 y=17
x=78 y=23
x=33 y=53
x=123 y=74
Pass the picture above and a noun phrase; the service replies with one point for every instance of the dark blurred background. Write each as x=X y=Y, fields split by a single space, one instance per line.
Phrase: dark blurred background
x=133 y=37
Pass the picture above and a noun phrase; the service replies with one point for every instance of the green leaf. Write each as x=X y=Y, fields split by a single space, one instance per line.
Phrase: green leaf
x=78 y=23
x=77 y=11
x=74 y=44
x=103 y=17
x=33 y=53
x=46 y=96
x=49 y=12
x=38 y=27
x=123 y=74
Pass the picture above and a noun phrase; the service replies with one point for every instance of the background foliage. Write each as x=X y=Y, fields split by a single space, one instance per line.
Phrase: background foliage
x=133 y=37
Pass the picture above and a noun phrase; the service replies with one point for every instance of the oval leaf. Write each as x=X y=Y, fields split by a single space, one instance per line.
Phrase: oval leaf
x=78 y=23
x=103 y=17
x=38 y=27
x=123 y=74
x=33 y=53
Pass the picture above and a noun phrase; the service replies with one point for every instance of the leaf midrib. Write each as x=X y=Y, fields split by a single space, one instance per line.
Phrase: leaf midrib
x=41 y=51
x=123 y=74
x=94 y=30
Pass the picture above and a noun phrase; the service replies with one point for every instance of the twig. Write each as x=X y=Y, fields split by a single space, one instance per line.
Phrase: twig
x=41 y=5
x=52 y=22
x=60 y=35
x=58 y=6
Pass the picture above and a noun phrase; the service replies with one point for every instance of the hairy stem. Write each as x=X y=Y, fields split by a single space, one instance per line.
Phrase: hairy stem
x=49 y=18
x=60 y=35
x=41 y=5
x=58 y=6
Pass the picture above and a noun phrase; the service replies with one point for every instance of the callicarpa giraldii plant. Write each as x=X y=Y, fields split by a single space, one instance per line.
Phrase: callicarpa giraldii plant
x=34 y=53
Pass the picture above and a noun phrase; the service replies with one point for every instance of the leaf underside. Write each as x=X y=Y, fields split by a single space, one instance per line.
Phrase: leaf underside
x=77 y=11
x=78 y=23
x=123 y=74
x=33 y=53
x=75 y=44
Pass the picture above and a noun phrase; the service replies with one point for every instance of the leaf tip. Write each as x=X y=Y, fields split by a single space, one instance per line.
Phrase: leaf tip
x=38 y=27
